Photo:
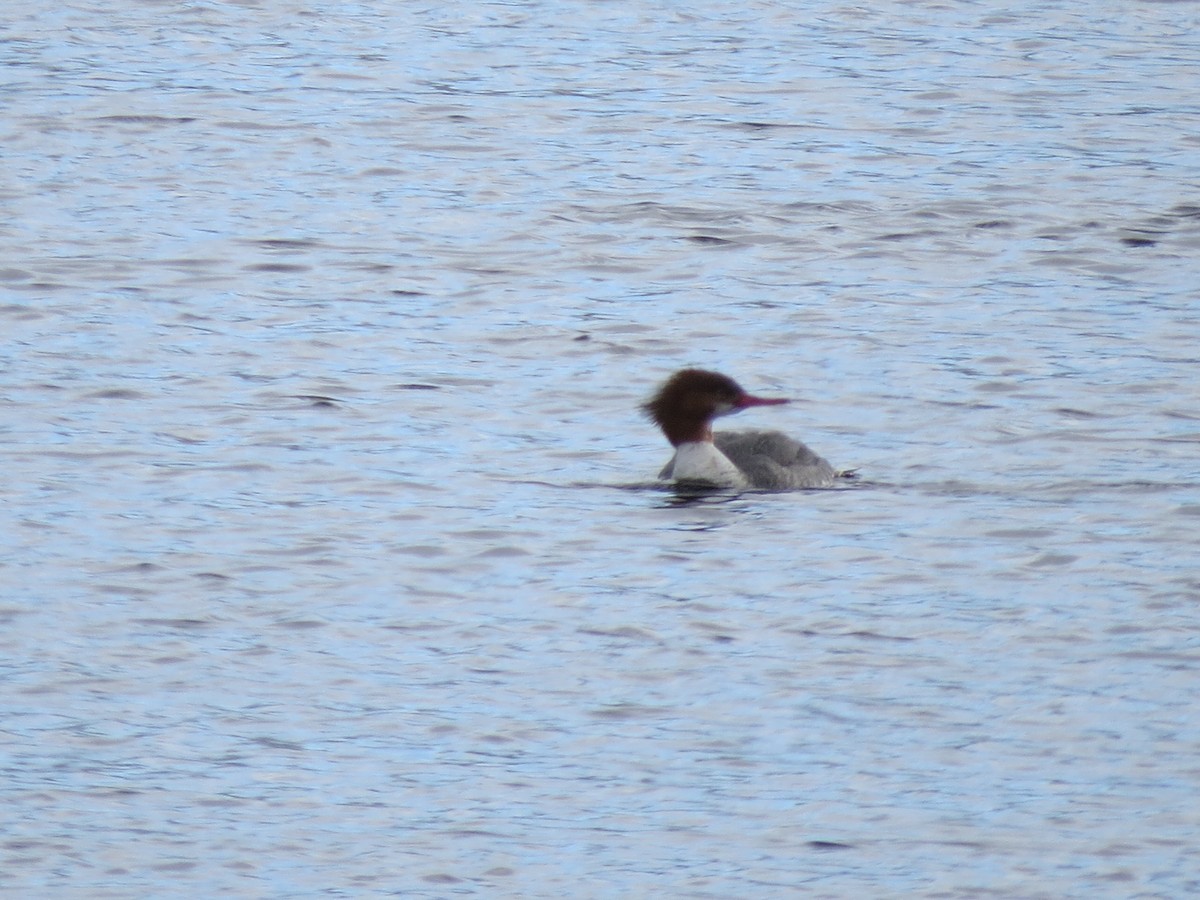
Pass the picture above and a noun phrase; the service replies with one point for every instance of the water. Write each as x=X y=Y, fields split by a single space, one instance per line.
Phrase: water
x=332 y=563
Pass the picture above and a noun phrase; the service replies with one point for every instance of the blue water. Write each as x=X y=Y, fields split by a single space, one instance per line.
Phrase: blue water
x=333 y=562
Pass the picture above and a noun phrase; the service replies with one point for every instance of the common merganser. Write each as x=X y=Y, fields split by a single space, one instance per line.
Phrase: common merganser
x=684 y=408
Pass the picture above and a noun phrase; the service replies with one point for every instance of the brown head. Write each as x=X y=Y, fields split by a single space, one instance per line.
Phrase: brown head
x=688 y=401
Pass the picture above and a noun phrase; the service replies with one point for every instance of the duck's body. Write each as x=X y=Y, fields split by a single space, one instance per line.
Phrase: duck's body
x=684 y=408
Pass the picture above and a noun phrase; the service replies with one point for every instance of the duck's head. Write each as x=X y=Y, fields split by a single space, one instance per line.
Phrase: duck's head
x=689 y=400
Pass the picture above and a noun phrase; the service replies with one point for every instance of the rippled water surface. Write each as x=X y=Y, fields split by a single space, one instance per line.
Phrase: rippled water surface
x=332 y=559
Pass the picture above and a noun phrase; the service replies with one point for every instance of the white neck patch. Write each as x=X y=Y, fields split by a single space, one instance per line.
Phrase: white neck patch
x=702 y=461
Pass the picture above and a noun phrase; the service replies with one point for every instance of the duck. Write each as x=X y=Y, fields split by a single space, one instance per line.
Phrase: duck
x=684 y=408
